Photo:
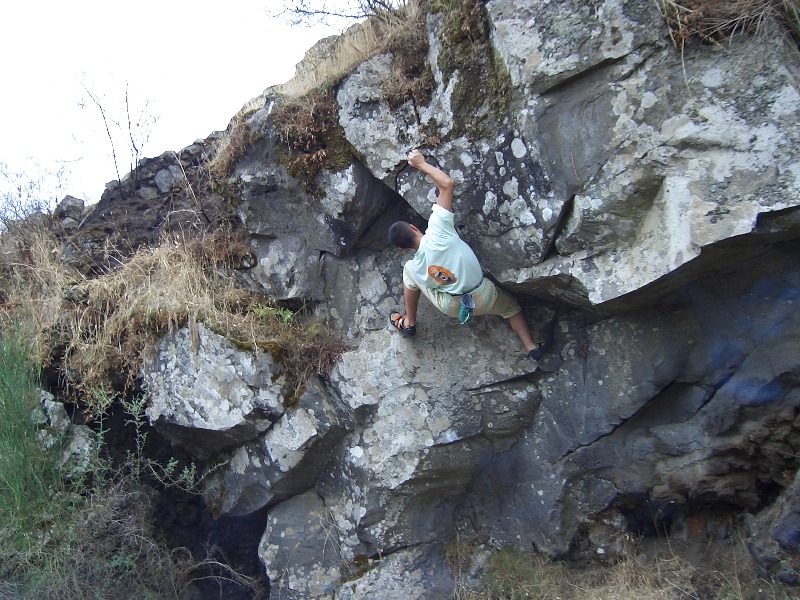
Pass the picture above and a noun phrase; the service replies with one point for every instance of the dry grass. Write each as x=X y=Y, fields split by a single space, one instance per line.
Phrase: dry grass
x=99 y=329
x=328 y=63
x=32 y=281
x=401 y=30
x=307 y=119
x=664 y=574
x=229 y=148
x=302 y=124
x=114 y=318
x=717 y=20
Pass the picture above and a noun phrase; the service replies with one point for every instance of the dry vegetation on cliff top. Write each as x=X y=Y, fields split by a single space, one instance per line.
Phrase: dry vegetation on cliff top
x=306 y=115
x=98 y=330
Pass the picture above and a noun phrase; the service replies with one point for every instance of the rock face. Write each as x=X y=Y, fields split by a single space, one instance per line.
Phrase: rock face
x=647 y=199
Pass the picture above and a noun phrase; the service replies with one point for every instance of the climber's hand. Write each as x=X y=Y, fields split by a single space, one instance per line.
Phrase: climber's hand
x=416 y=159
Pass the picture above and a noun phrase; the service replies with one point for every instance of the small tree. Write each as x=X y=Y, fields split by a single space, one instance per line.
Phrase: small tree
x=306 y=12
x=131 y=127
x=25 y=192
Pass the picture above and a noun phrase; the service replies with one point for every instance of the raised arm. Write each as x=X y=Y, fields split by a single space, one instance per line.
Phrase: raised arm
x=440 y=179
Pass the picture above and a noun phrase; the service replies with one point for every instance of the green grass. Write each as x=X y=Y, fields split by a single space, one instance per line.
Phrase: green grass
x=66 y=536
x=29 y=476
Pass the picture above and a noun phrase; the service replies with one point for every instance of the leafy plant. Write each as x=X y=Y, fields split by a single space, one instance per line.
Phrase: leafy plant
x=266 y=312
x=169 y=474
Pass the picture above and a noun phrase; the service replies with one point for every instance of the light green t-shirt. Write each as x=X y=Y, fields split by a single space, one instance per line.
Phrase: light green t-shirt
x=444 y=261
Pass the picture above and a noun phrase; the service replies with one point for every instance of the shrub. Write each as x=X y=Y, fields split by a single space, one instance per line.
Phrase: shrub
x=716 y=20
x=99 y=329
x=85 y=537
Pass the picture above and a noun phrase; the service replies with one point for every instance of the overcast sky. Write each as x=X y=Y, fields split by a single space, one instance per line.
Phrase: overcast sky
x=188 y=65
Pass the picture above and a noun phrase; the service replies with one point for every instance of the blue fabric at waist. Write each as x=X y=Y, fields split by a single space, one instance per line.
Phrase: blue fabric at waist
x=480 y=283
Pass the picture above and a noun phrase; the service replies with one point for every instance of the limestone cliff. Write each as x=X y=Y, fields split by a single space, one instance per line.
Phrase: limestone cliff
x=647 y=198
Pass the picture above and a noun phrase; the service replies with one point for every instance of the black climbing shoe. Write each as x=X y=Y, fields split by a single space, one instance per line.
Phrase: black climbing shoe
x=397 y=320
x=542 y=347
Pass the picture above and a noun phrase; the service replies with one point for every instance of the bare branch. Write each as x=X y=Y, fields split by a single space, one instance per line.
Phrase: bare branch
x=108 y=130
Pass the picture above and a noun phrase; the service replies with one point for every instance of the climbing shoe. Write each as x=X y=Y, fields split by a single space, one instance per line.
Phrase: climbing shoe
x=397 y=319
x=542 y=347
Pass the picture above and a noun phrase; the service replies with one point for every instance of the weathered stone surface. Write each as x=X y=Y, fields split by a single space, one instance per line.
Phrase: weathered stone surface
x=648 y=199
x=425 y=426
x=544 y=44
x=207 y=394
x=370 y=123
x=286 y=268
x=70 y=208
x=504 y=200
x=410 y=573
x=78 y=443
x=300 y=549
x=286 y=460
x=648 y=193
x=684 y=422
x=165 y=179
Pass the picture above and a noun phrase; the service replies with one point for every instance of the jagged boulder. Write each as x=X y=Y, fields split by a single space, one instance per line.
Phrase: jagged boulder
x=504 y=201
x=207 y=394
x=660 y=155
x=656 y=412
x=283 y=462
x=646 y=198
x=161 y=196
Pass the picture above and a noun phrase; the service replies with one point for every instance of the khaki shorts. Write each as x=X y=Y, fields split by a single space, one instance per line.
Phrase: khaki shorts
x=489 y=299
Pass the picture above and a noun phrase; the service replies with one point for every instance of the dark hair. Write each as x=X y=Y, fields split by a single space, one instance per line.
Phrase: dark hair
x=401 y=235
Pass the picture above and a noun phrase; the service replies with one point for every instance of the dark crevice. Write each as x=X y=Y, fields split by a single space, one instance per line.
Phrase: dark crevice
x=581 y=75
x=482 y=389
x=550 y=250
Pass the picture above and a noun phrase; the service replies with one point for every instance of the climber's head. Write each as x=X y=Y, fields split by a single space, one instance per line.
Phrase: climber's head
x=404 y=235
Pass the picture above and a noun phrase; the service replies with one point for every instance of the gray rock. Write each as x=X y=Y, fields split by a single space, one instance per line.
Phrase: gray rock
x=206 y=394
x=300 y=549
x=148 y=193
x=409 y=573
x=78 y=444
x=276 y=206
x=286 y=460
x=649 y=197
x=370 y=123
x=69 y=208
x=646 y=197
x=165 y=179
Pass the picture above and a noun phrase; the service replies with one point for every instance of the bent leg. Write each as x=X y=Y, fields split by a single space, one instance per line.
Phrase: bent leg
x=412 y=291
x=411 y=298
x=499 y=302
x=520 y=326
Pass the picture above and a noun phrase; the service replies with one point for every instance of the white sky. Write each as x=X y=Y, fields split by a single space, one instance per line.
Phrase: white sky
x=191 y=65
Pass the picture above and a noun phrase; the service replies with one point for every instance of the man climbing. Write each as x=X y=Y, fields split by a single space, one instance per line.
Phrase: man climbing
x=446 y=270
